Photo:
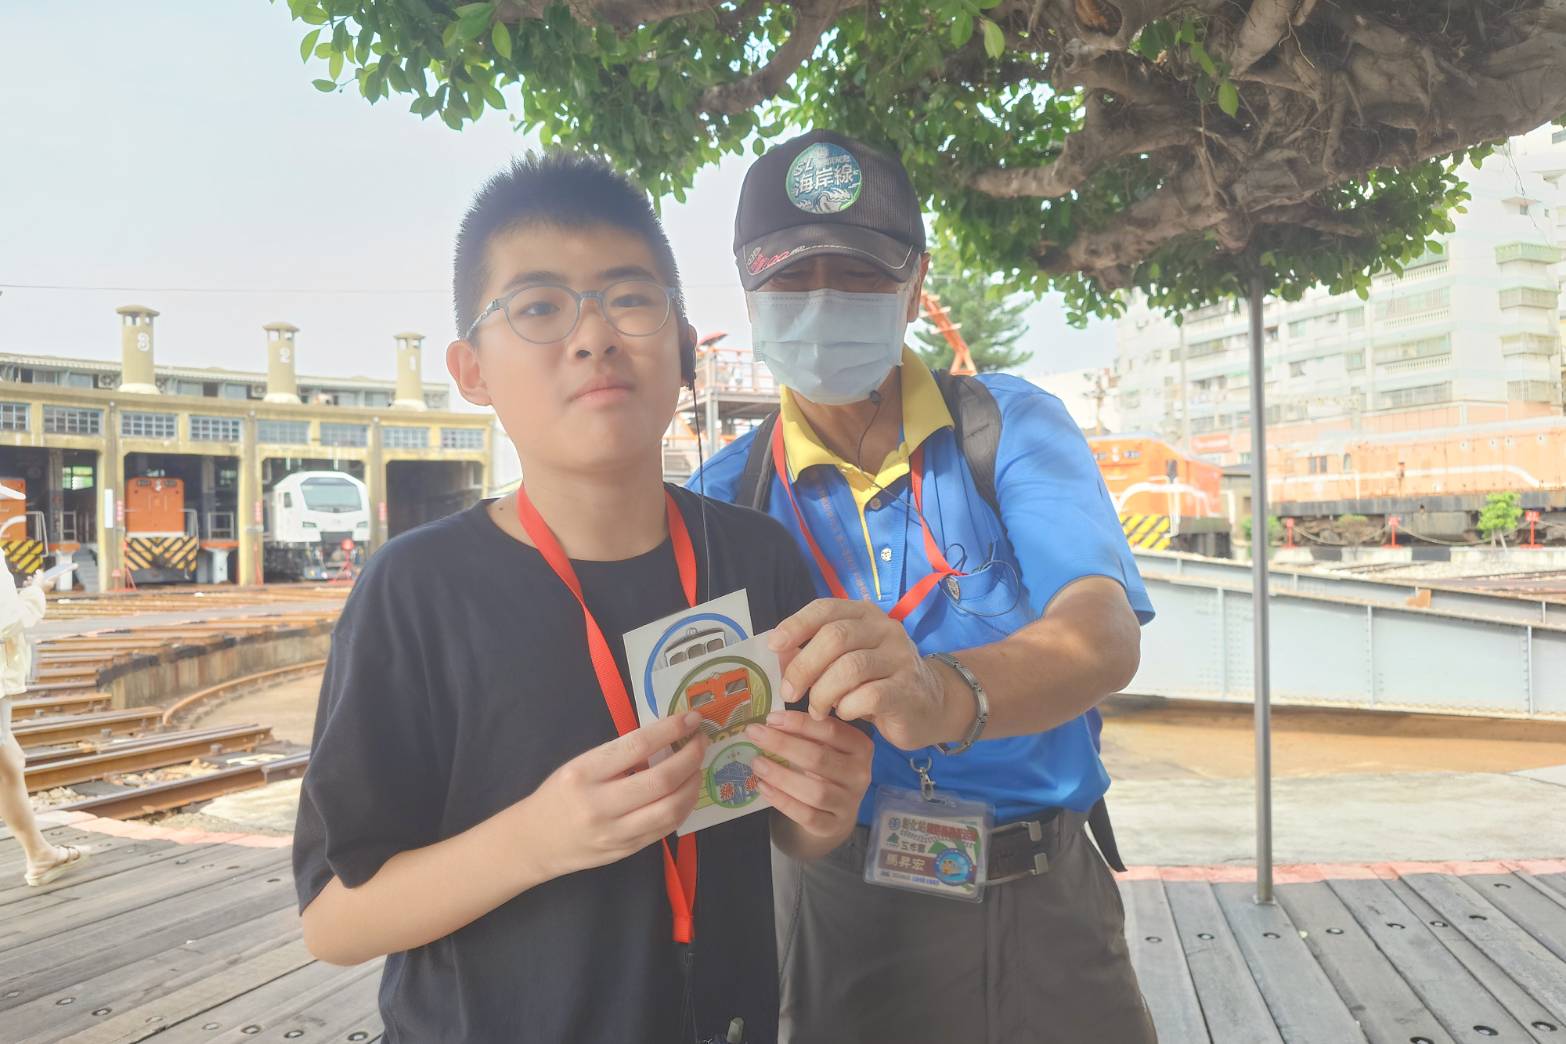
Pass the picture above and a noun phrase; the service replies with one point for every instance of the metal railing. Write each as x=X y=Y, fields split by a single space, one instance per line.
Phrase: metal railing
x=733 y=370
x=220 y=525
x=1390 y=593
x=1350 y=642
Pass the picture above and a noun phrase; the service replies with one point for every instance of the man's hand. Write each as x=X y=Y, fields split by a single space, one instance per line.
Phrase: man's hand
x=820 y=788
x=860 y=662
x=605 y=804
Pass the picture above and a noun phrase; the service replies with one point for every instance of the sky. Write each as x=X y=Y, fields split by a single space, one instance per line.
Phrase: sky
x=174 y=154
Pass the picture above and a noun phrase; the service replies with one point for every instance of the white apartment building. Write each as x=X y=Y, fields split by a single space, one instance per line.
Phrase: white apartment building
x=1478 y=324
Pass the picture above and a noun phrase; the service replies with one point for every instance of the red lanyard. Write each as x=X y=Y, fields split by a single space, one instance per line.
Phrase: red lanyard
x=679 y=875
x=940 y=569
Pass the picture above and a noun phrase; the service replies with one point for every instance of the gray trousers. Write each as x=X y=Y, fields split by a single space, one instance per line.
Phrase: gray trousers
x=1042 y=960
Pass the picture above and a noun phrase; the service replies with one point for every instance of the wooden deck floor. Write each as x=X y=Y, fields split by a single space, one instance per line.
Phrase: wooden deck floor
x=182 y=942
x=199 y=942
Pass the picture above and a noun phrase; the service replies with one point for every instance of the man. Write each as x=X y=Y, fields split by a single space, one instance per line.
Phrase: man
x=978 y=600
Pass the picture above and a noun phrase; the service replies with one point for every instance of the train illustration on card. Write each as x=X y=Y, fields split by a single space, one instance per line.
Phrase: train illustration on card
x=707 y=660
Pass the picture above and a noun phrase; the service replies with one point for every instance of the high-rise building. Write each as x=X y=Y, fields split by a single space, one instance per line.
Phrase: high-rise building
x=1470 y=334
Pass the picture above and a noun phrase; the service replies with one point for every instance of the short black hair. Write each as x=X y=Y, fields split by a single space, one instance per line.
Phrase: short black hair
x=563 y=189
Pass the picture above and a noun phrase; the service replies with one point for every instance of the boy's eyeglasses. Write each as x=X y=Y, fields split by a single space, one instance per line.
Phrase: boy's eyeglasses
x=544 y=313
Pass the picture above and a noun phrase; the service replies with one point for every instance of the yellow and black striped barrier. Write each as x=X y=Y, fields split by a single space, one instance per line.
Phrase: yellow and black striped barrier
x=23 y=557
x=1148 y=532
x=176 y=553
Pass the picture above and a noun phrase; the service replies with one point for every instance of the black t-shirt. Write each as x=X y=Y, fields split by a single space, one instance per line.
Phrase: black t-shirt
x=459 y=679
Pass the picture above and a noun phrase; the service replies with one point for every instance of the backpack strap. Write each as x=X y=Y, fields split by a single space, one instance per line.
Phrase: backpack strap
x=976 y=418
x=755 y=481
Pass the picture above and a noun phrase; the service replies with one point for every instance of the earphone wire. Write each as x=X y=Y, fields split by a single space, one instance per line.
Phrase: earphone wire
x=909 y=512
x=701 y=491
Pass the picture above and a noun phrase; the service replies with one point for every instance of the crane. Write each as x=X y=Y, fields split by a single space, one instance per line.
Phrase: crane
x=962 y=360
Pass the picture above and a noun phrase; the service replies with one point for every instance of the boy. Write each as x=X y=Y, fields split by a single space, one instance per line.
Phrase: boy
x=469 y=809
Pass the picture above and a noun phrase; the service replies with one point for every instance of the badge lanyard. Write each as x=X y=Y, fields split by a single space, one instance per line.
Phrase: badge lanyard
x=679 y=874
x=940 y=569
x=924 y=842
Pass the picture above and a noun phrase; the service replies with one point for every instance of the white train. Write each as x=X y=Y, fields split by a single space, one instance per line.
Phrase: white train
x=316 y=522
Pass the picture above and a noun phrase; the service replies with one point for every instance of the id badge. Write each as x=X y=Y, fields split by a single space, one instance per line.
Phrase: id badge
x=939 y=845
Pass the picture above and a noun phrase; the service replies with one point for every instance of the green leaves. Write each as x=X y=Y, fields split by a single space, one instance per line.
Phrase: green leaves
x=1228 y=98
x=962 y=28
x=994 y=39
x=500 y=37
x=905 y=75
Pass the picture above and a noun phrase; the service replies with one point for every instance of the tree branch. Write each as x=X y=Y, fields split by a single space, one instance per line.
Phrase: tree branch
x=1099 y=141
x=1306 y=215
x=1266 y=23
x=812 y=18
x=621 y=14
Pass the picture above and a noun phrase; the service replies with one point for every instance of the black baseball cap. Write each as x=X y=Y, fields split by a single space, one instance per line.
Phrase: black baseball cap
x=824 y=193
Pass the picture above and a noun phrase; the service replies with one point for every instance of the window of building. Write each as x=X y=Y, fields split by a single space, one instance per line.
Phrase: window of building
x=1318 y=465
x=1531 y=253
x=405 y=437
x=1530 y=391
x=235 y=391
x=1296 y=369
x=13 y=416
x=228 y=476
x=1437 y=300
x=78 y=380
x=1424 y=348
x=284 y=432
x=344 y=434
x=462 y=438
x=1354 y=361
x=69 y=420
x=1422 y=395
x=138 y=425
x=1529 y=344
x=1298 y=327
x=214 y=429
x=1529 y=297
x=77 y=476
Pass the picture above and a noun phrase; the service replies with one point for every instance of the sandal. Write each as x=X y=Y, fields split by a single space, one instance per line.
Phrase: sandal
x=73 y=858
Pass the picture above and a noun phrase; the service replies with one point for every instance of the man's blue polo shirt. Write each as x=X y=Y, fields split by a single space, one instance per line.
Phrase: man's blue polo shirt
x=1059 y=526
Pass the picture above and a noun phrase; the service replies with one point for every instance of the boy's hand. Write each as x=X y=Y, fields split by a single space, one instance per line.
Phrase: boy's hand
x=821 y=787
x=606 y=804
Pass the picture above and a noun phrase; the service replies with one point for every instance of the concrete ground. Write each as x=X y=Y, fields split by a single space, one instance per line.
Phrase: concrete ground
x=289 y=708
x=1347 y=787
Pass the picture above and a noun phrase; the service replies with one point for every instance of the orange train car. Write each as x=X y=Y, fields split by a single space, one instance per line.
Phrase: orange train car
x=158 y=546
x=1454 y=467
x=13 y=513
x=23 y=551
x=1147 y=476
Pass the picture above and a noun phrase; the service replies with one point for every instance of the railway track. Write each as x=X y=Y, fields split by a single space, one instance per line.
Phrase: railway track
x=189 y=598
x=87 y=755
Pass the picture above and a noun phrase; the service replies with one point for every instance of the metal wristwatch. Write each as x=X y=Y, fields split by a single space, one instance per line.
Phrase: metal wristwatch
x=980 y=697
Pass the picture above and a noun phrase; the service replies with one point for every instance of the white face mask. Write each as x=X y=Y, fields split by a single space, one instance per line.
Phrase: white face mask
x=831 y=346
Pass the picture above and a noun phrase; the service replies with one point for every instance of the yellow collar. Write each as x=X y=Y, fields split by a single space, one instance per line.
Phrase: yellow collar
x=924 y=413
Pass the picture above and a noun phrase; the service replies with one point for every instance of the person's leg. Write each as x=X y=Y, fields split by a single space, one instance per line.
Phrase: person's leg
x=1060 y=969
x=16 y=810
x=1043 y=959
x=863 y=964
